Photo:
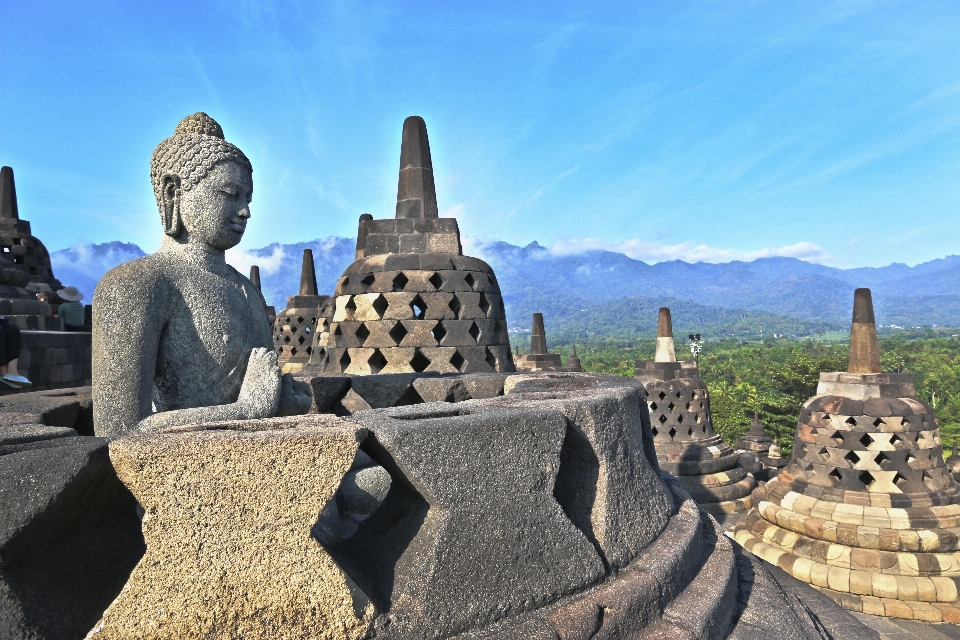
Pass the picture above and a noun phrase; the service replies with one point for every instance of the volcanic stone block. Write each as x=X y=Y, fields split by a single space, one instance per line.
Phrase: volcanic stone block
x=454 y=546
x=387 y=390
x=327 y=391
x=447 y=389
x=69 y=537
x=603 y=448
x=228 y=520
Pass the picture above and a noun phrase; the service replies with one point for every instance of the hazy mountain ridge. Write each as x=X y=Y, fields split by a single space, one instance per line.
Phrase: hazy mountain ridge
x=609 y=293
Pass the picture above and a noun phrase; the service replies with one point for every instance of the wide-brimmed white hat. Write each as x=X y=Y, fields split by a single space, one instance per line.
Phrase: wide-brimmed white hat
x=70 y=294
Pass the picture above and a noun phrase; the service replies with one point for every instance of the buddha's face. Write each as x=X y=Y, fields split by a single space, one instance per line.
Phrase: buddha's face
x=216 y=210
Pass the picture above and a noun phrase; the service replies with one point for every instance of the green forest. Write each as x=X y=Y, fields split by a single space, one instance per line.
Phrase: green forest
x=776 y=376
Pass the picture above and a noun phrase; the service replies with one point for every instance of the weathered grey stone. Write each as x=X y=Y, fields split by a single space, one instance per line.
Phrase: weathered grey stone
x=181 y=329
x=387 y=390
x=455 y=546
x=603 y=448
x=484 y=385
x=446 y=389
x=327 y=391
x=69 y=537
x=363 y=490
x=21 y=433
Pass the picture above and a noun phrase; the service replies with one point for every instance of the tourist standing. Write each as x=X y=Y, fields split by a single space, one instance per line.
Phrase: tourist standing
x=71 y=311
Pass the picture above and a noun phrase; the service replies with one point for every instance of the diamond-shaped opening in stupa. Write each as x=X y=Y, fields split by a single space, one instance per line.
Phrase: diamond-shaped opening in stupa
x=400 y=281
x=457 y=360
x=436 y=280
x=398 y=333
x=455 y=306
x=419 y=362
x=362 y=333
x=380 y=306
x=484 y=304
x=376 y=361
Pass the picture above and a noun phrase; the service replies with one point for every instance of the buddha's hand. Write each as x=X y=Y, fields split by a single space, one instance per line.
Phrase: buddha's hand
x=260 y=391
x=295 y=397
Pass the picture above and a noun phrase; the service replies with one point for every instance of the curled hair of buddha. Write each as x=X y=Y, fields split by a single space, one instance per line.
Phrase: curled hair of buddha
x=197 y=144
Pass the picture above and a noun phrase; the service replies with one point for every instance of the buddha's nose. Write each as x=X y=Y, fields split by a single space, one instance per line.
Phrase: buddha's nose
x=244 y=212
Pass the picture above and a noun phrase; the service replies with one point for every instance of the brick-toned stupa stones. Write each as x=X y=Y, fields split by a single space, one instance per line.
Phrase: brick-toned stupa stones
x=412 y=302
x=687 y=446
x=865 y=510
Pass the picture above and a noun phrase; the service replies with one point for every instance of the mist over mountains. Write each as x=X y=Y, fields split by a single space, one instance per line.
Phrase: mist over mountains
x=607 y=294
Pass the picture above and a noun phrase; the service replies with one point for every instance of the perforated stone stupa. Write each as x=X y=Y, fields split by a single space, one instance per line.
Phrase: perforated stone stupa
x=687 y=446
x=295 y=326
x=412 y=302
x=23 y=260
x=865 y=510
x=758 y=443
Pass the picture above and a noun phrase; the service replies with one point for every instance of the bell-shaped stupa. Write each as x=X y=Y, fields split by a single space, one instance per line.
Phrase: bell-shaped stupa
x=865 y=510
x=295 y=326
x=687 y=446
x=412 y=302
x=759 y=444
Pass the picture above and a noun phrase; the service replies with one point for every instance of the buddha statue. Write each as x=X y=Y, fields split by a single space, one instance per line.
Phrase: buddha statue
x=179 y=336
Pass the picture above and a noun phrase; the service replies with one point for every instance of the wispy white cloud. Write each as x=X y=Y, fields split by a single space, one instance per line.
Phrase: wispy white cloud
x=269 y=264
x=687 y=251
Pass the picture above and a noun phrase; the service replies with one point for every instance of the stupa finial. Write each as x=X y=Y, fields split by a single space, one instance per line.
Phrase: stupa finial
x=864 y=348
x=255 y=276
x=416 y=192
x=8 y=194
x=665 y=349
x=308 y=277
x=538 y=337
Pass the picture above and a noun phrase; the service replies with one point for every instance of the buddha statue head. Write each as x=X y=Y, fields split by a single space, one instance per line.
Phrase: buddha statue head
x=203 y=184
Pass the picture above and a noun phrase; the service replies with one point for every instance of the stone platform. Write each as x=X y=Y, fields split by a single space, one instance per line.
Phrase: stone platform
x=53 y=360
x=538 y=512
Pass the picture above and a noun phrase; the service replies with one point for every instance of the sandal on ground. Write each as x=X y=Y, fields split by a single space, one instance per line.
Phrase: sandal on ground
x=16 y=381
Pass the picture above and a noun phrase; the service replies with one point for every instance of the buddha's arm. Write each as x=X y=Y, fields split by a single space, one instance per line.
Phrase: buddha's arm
x=128 y=317
x=259 y=398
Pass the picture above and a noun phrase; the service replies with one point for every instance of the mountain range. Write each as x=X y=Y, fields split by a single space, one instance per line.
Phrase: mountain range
x=607 y=294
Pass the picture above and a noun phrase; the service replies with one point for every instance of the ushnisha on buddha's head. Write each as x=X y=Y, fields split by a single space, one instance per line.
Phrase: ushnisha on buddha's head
x=203 y=184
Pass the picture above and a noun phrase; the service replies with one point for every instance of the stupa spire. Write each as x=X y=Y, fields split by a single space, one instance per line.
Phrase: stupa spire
x=756 y=427
x=864 y=348
x=665 y=350
x=538 y=337
x=255 y=276
x=8 y=194
x=308 y=277
x=416 y=192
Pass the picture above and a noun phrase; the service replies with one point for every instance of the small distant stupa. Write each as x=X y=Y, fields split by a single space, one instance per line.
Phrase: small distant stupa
x=539 y=359
x=295 y=326
x=687 y=445
x=758 y=443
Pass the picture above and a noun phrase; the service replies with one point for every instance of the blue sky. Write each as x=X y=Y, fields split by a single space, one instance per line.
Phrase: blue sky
x=696 y=130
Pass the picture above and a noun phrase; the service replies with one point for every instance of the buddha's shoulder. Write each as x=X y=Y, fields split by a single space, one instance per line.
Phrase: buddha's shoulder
x=145 y=273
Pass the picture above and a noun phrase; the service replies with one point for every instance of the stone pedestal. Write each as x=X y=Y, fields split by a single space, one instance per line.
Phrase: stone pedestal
x=687 y=445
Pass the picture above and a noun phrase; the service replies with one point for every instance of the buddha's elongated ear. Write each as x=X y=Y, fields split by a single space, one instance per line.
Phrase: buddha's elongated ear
x=170 y=205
